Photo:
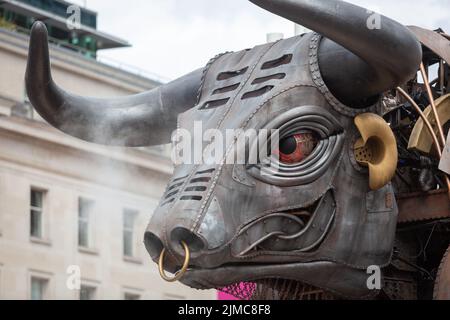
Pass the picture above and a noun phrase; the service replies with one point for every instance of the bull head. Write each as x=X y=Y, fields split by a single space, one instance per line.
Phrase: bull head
x=329 y=212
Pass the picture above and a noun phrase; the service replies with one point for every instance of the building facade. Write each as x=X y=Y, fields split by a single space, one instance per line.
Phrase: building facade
x=73 y=214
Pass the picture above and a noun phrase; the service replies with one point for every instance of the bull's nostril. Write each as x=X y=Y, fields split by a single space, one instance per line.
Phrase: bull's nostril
x=153 y=245
x=194 y=242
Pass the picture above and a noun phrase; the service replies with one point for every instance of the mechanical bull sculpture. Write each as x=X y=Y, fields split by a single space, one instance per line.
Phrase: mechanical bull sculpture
x=329 y=213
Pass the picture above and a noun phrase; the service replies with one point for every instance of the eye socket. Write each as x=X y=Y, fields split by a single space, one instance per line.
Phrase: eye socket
x=319 y=139
x=297 y=147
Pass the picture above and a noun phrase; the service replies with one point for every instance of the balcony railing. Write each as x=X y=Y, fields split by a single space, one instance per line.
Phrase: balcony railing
x=103 y=60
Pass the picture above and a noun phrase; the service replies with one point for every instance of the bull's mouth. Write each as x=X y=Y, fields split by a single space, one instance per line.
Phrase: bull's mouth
x=229 y=274
x=320 y=275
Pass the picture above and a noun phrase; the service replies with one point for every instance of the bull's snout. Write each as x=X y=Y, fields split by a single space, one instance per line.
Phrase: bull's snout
x=177 y=254
x=174 y=244
x=187 y=226
x=182 y=230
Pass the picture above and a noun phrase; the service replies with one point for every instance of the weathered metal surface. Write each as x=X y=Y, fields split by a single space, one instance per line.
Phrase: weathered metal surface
x=434 y=41
x=422 y=207
x=442 y=284
x=304 y=214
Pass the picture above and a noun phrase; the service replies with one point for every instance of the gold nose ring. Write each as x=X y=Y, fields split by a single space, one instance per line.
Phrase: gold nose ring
x=179 y=274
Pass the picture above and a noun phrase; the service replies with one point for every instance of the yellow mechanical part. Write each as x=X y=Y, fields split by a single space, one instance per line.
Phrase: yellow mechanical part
x=376 y=149
x=182 y=271
x=420 y=139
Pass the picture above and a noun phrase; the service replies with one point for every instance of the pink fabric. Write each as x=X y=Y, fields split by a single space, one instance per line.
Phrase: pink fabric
x=246 y=288
x=225 y=296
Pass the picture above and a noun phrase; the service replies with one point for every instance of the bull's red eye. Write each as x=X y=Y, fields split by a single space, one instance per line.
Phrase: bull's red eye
x=296 y=148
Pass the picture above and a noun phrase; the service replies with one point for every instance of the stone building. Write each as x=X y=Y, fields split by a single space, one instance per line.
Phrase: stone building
x=71 y=210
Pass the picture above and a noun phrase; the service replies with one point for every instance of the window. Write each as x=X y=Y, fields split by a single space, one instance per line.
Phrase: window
x=38 y=288
x=131 y=296
x=129 y=218
x=85 y=211
x=36 y=213
x=87 y=292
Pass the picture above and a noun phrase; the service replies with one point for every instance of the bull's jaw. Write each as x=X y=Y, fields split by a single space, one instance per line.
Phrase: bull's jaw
x=227 y=275
x=338 y=279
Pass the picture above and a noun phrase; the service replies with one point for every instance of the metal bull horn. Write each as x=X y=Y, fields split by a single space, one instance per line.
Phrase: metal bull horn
x=373 y=60
x=139 y=120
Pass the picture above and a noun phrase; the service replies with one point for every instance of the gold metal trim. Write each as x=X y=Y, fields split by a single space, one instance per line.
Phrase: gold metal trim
x=179 y=274
x=377 y=149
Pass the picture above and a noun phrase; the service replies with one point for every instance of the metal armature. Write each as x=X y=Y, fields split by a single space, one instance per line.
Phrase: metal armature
x=433 y=106
x=439 y=139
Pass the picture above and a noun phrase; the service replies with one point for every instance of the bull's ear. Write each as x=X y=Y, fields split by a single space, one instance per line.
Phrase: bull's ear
x=376 y=149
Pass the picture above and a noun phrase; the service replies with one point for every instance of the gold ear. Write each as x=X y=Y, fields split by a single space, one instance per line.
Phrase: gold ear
x=376 y=149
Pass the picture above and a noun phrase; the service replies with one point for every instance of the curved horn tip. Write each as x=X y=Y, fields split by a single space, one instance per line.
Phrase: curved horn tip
x=38 y=40
x=39 y=29
x=38 y=48
x=38 y=65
